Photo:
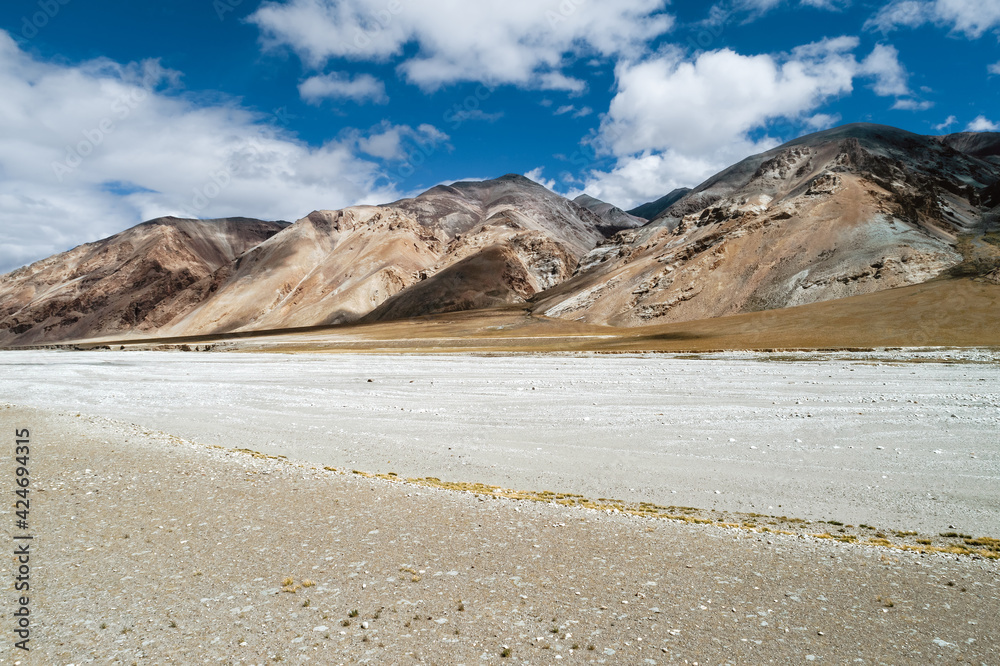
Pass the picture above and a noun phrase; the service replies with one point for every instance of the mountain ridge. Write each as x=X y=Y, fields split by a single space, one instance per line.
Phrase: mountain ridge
x=844 y=212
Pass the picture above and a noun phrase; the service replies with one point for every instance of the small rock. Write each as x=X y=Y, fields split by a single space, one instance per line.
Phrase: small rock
x=364 y=625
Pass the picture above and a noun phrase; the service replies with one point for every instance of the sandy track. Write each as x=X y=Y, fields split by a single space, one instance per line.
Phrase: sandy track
x=151 y=550
x=847 y=437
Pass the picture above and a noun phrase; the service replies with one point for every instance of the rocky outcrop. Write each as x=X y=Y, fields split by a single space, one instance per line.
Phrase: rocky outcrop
x=467 y=245
x=123 y=283
x=840 y=213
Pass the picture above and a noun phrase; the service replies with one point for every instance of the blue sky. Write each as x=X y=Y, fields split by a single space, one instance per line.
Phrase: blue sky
x=114 y=112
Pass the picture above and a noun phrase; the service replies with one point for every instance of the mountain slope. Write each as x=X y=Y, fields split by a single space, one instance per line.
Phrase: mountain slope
x=849 y=211
x=653 y=209
x=331 y=267
x=118 y=284
x=614 y=218
x=335 y=267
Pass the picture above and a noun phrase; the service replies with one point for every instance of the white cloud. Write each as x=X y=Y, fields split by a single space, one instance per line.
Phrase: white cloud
x=982 y=124
x=994 y=68
x=912 y=105
x=572 y=109
x=767 y=5
x=822 y=121
x=755 y=9
x=675 y=121
x=457 y=118
x=537 y=176
x=889 y=74
x=698 y=106
x=90 y=150
x=969 y=17
x=340 y=85
x=521 y=42
x=638 y=179
x=395 y=142
x=948 y=122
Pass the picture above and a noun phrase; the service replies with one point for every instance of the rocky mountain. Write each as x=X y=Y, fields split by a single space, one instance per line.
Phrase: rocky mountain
x=614 y=218
x=123 y=283
x=474 y=244
x=848 y=211
x=984 y=145
x=653 y=209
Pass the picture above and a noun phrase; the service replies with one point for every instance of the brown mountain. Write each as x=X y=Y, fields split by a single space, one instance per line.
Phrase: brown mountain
x=849 y=211
x=653 y=209
x=123 y=282
x=504 y=240
x=614 y=218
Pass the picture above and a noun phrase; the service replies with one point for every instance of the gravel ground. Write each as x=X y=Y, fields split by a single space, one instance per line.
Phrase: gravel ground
x=900 y=440
x=150 y=549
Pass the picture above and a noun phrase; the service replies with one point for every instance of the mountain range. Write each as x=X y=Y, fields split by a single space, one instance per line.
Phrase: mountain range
x=848 y=211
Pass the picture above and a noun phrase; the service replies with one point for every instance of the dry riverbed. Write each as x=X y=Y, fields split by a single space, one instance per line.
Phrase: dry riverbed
x=903 y=441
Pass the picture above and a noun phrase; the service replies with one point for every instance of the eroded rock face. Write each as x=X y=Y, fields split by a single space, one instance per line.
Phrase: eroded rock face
x=853 y=210
x=512 y=237
x=850 y=211
x=614 y=219
x=121 y=283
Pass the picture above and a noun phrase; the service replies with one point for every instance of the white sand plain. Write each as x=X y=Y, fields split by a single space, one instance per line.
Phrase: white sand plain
x=860 y=438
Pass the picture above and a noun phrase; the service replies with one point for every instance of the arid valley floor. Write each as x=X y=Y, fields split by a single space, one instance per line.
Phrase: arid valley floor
x=205 y=508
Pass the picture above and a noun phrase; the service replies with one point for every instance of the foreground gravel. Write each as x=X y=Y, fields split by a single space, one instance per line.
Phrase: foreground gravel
x=153 y=550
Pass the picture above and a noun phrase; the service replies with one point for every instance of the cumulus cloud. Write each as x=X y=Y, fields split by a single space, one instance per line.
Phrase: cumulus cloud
x=537 y=175
x=520 y=42
x=395 y=142
x=751 y=10
x=676 y=120
x=822 y=121
x=91 y=149
x=890 y=77
x=340 y=85
x=912 y=105
x=994 y=68
x=574 y=111
x=638 y=179
x=696 y=106
x=972 y=18
x=982 y=124
x=948 y=122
